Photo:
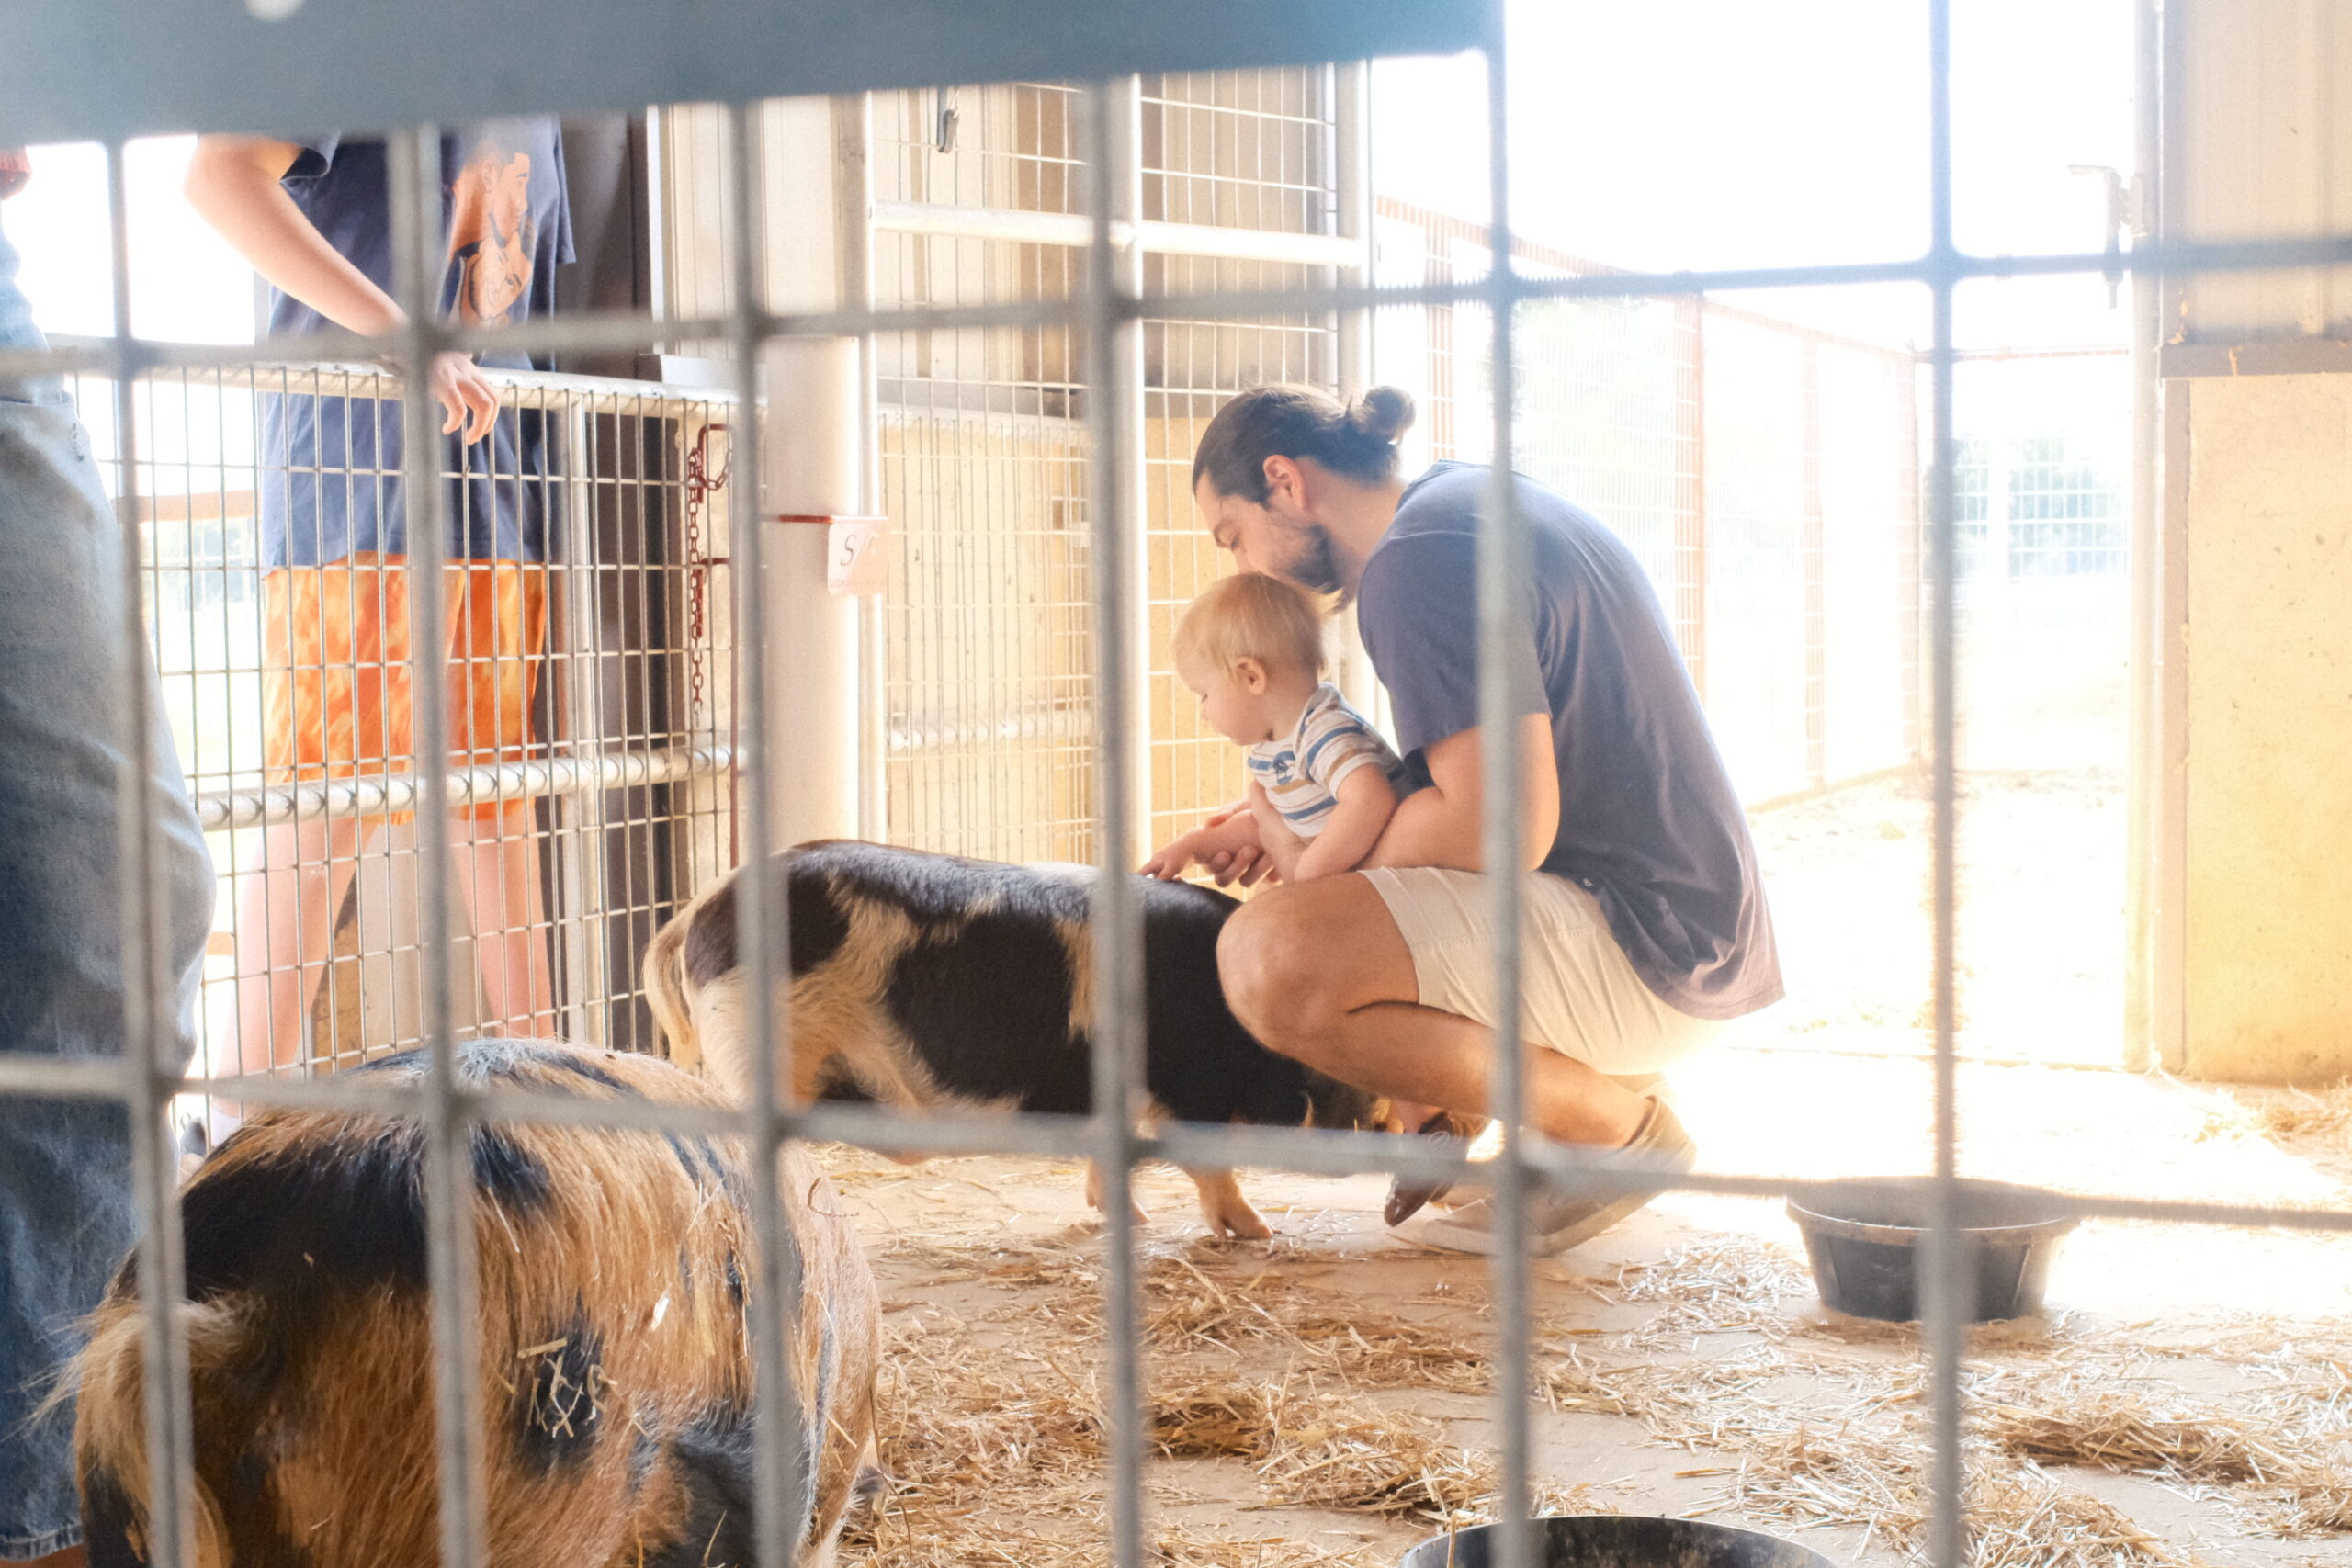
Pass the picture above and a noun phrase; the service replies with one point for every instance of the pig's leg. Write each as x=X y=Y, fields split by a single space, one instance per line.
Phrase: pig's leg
x=1225 y=1208
x=1094 y=1195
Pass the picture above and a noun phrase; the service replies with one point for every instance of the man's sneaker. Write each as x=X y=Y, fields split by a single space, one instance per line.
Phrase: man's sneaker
x=192 y=1141
x=1556 y=1224
x=199 y=1134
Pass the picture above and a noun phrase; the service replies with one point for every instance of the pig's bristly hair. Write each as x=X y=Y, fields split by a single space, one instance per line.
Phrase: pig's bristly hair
x=614 y=1268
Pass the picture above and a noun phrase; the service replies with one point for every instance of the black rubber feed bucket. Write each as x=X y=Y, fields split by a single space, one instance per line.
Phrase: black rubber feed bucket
x=1864 y=1237
x=1623 y=1541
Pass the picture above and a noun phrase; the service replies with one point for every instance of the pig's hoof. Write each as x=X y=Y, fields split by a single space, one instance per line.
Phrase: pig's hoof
x=1135 y=1210
x=1241 y=1222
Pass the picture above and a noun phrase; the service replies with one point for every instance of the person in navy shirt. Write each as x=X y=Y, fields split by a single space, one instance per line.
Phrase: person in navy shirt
x=313 y=218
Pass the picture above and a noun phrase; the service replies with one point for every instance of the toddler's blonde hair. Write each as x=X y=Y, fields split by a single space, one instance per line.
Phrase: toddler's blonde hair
x=1249 y=616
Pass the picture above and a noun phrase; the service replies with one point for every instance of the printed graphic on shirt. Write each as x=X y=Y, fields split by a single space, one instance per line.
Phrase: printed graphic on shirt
x=491 y=234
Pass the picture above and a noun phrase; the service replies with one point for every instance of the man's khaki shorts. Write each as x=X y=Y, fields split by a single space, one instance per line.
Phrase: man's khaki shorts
x=1579 y=992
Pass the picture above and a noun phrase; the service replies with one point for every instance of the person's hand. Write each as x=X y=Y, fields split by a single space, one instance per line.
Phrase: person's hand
x=1170 y=863
x=1282 y=846
x=466 y=394
x=1229 y=850
x=1248 y=864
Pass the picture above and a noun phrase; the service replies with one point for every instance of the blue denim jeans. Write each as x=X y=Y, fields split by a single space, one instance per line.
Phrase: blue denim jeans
x=66 y=1213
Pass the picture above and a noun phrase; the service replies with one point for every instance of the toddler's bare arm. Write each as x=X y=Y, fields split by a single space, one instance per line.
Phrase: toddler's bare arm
x=1366 y=802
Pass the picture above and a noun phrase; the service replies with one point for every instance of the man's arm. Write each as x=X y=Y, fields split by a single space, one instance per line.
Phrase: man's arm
x=1442 y=825
x=233 y=184
x=1421 y=625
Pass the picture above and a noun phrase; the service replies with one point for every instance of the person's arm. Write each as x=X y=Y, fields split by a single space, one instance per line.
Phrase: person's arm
x=233 y=184
x=1443 y=823
x=1214 y=845
x=1279 y=846
x=1360 y=809
x=1418 y=613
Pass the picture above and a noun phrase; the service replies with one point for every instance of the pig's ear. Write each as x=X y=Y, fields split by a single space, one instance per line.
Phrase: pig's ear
x=1406 y=1194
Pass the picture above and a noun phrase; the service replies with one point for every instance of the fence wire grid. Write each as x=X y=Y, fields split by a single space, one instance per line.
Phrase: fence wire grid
x=1056 y=379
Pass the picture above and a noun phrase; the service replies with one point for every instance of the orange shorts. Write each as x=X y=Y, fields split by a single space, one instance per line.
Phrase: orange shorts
x=336 y=673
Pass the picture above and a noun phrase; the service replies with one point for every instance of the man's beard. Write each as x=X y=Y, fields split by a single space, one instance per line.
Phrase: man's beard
x=1316 y=566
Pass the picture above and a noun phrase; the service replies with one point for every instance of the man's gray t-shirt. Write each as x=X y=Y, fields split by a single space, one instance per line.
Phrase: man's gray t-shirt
x=1648 y=822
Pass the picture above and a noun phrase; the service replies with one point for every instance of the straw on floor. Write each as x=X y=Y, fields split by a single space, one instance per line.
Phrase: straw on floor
x=1260 y=1358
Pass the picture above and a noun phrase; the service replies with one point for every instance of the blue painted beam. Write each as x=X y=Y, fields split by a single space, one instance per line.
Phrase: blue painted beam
x=94 y=68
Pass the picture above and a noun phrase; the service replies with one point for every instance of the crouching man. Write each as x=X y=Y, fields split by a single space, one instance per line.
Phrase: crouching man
x=1645 y=926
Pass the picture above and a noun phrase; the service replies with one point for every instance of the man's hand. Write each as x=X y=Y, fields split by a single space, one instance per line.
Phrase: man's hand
x=470 y=401
x=1240 y=856
x=1283 y=847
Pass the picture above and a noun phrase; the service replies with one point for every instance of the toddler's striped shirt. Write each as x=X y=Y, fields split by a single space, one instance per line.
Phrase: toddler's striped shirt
x=1301 y=772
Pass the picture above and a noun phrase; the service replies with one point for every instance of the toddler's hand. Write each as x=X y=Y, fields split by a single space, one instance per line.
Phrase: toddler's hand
x=1170 y=863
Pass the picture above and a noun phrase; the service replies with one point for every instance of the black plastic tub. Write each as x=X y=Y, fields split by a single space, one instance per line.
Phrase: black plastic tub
x=1863 y=1238
x=1623 y=1541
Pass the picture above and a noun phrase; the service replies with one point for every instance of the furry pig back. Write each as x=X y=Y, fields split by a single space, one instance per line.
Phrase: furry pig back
x=616 y=1363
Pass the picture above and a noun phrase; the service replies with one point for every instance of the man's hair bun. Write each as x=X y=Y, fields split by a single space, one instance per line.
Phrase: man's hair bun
x=1382 y=415
x=1357 y=442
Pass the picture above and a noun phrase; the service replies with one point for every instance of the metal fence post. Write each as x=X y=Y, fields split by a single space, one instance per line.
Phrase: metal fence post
x=580 y=819
x=417 y=241
x=149 y=1076
x=1945 y=1292
x=1505 y=627
x=1689 y=586
x=1114 y=372
x=762 y=919
x=1814 y=548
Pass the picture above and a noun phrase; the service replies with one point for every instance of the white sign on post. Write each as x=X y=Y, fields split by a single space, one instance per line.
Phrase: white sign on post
x=856 y=566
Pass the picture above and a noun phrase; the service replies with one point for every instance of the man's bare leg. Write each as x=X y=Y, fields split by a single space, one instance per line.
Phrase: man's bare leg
x=1320 y=973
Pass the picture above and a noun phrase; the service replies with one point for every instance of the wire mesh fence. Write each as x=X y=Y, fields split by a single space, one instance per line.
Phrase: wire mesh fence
x=1256 y=152
x=593 y=680
x=988 y=666
x=1765 y=473
x=1762 y=532
x=2042 y=495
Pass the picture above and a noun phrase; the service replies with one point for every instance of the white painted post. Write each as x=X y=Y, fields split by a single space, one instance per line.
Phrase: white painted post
x=811 y=469
x=1350 y=666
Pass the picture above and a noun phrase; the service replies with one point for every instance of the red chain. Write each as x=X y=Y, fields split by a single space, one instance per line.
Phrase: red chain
x=701 y=485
